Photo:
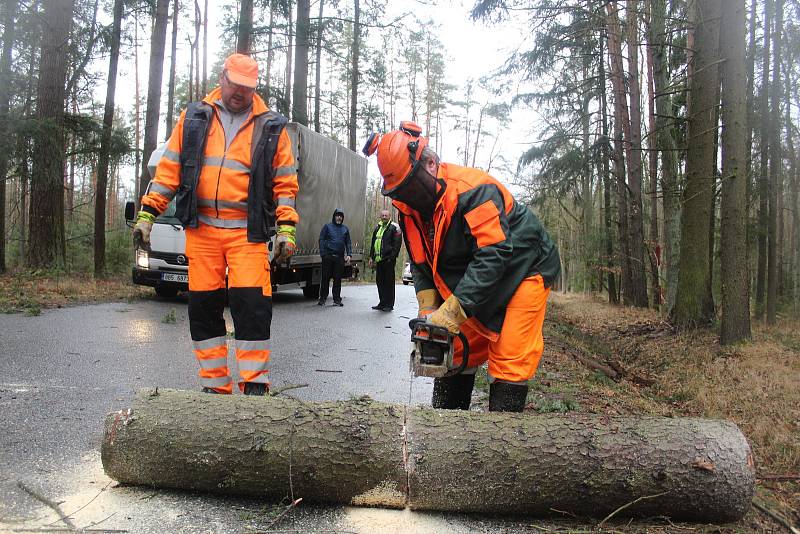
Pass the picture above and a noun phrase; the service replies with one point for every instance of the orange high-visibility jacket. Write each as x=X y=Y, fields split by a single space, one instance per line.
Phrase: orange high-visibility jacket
x=222 y=187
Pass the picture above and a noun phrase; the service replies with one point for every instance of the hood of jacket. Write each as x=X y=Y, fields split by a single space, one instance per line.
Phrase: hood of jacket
x=336 y=212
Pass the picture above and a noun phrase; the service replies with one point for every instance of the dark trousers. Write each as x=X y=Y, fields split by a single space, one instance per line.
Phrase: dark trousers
x=384 y=279
x=332 y=267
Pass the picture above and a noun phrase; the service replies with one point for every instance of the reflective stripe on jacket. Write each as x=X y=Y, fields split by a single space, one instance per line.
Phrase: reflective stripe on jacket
x=251 y=184
x=389 y=245
x=480 y=247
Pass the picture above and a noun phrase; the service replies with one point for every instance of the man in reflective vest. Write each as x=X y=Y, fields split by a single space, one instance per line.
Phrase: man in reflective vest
x=482 y=265
x=386 y=242
x=230 y=168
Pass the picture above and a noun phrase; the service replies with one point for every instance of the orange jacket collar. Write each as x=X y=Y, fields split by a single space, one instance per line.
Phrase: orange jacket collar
x=259 y=106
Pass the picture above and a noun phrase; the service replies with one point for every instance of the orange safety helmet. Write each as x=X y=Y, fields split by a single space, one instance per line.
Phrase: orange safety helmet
x=399 y=153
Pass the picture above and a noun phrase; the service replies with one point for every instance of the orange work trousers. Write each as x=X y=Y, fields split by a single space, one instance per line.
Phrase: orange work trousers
x=515 y=355
x=214 y=252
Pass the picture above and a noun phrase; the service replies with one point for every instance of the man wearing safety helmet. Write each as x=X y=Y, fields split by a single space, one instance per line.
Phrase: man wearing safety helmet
x=482 y=265
x=230 y=168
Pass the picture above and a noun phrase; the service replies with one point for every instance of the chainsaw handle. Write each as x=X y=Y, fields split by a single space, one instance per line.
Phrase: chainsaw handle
x=464 y=342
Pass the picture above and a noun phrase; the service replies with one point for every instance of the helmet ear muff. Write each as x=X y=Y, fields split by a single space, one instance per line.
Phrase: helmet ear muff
x=412 y=148
x=372 y=144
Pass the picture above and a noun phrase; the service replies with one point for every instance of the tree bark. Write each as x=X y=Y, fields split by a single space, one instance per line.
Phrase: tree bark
x=458 y=461
x=9 y=10
x=157 y=43
x=652 y=157
x=735 y=324
x=693 y=306
x=105 y=146
x=608 y=235
x=354 y=77
x=47 y=245
x=172 y=67
x=300 y=94
x=775 y=181
x=245 y=27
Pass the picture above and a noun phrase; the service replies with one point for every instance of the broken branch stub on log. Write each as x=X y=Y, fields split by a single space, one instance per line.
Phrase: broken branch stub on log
x=369 y=453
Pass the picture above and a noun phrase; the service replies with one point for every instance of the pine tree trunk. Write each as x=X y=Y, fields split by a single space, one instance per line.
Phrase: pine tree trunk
x=652 y=157
x=157 y=44
x=245 y=29
x=318 y=70
x=172 y=67
x=735 y=325
x=47 y=245
x=270 y=53
x=105 y=146
x=300 y=95
x=638 y=290
x=205 y=47
x=606 y=143
x=287 y=94
x=692 y=305
x=9 y=10
x=354 y=76
x=763 y=179
x=457 y=461
x=775 y=180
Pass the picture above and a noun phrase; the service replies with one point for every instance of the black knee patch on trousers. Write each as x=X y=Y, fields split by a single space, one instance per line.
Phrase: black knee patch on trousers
x=205 y=314
x=453 y=392
x=251 y=312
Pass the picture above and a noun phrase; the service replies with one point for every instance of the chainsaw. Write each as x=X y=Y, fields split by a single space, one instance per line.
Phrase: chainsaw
x=432 y=352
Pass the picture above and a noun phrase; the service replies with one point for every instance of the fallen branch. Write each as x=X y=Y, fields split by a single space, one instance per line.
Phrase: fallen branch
x=85 y=505
x=280 y=516
x=776 y=516
x=277 y=391
x=48 y=502
x=790 y=477
x=327 y=370
x=621 y=508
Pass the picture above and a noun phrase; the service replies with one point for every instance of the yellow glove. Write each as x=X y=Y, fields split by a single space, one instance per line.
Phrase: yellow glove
x=284 y=243
x=141 y=232
x=449 y=315
x=428 y=300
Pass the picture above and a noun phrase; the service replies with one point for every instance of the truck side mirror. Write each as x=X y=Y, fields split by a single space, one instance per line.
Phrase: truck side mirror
x=130 y=210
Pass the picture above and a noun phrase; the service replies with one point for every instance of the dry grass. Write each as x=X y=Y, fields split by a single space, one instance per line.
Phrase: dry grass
x=756 y=385
x=29 y=292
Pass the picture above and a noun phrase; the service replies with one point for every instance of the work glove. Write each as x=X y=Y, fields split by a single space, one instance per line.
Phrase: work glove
x=142 y=229
x=428 y=300
x=450 y=315
x=285 y=243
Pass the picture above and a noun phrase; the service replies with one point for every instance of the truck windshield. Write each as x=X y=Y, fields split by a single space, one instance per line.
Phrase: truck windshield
x=168 y=217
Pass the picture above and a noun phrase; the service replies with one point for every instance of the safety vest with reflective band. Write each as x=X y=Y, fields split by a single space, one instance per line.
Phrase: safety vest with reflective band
x=483 y=244
x=248 y=185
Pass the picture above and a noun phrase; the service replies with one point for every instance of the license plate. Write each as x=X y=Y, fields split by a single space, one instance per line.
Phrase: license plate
x=174 y=277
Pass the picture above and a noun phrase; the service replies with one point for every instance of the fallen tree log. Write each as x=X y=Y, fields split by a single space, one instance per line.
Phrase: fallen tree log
x=363 y=452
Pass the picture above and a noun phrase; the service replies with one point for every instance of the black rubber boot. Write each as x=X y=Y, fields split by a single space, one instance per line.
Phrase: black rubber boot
x=254 y=388
x=453 y=392
x=210 y=390
x=507 y=397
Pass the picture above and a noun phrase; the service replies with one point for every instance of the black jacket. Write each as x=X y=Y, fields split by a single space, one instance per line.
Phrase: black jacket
x=391 y=241
x=334 y=239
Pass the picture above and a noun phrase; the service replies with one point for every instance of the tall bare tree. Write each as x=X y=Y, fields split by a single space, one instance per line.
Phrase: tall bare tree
x=693 y=305
x=735 y=324
x=245 y=29
x=47 y=245
x=172 y=67
x=354 y=76
x=318 y=68
x=775 y=182
x=763 y=178
x=157 y=43
x=105 y=146
x=9 y=8
x=300 y=95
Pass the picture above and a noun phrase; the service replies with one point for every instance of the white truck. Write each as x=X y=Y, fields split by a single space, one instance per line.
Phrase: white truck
x=329 y=176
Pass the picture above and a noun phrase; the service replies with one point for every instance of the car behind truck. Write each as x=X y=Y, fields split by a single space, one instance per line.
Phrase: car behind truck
x=329 y=176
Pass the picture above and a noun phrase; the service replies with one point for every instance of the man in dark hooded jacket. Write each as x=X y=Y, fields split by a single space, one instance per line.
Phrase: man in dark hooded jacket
x=335 y=250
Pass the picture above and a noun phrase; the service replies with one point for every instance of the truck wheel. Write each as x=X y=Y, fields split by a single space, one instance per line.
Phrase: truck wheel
x=167 y=292
x=311 y=291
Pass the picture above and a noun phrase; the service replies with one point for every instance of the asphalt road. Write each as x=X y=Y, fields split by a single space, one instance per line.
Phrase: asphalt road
x=63 y=371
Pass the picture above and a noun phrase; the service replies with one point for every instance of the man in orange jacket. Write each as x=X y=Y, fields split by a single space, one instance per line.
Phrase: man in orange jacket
x=230 y=169
x=482 y=265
